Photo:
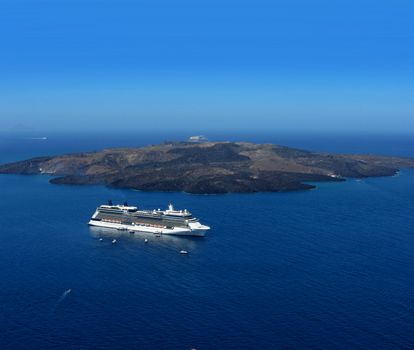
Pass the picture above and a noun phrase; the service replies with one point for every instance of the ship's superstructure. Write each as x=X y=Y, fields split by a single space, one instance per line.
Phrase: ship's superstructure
x=168 y=222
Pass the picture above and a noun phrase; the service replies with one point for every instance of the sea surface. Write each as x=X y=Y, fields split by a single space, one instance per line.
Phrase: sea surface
x=330 y=268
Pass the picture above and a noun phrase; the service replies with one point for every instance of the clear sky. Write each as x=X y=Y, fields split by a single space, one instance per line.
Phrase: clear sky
x=295 y=65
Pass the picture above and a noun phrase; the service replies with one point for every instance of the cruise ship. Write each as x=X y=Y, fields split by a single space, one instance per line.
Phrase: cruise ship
x=166 y=222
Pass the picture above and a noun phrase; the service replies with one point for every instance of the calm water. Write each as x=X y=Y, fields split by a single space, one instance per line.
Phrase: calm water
x=331 y=268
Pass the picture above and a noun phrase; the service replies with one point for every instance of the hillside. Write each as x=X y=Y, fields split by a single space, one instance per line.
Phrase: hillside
x=211 y=167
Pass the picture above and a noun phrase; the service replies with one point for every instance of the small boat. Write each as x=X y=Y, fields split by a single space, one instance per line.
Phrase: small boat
x=146 y=240
x=183 y=252
x=100 y=239
x=114 y=241
x=131 y=232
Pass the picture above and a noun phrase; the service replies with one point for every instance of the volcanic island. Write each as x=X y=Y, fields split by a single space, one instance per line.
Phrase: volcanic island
x=207 y=167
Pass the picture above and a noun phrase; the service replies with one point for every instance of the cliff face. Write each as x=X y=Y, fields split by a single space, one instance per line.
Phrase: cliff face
x=213 y=167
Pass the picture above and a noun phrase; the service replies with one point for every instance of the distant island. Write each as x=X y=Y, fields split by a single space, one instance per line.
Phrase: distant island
x=207 y=167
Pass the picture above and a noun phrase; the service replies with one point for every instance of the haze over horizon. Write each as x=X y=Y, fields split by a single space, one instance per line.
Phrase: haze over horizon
x=160 y=65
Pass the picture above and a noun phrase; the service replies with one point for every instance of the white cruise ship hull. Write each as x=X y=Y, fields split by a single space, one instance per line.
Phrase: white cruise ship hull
x=177 y=231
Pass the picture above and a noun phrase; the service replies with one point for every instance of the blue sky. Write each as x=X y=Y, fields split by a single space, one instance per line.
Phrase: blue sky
x=291 y=65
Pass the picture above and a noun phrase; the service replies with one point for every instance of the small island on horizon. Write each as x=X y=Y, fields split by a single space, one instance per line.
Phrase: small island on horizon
x=207 y=167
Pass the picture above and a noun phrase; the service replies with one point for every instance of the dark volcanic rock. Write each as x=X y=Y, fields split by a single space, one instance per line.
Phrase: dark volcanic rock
x=213 y=167
x=31 y=166
x=220 y=152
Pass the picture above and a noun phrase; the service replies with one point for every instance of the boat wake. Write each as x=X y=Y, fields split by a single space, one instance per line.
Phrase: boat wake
x=62 y=297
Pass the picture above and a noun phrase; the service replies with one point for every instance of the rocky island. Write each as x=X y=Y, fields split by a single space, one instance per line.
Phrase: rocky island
x=209 y=167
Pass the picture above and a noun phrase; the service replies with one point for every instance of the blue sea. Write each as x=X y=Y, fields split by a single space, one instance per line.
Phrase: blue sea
x=330 y=268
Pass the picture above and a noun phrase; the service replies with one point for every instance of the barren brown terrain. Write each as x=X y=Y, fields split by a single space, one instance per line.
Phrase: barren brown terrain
x=211 y=167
